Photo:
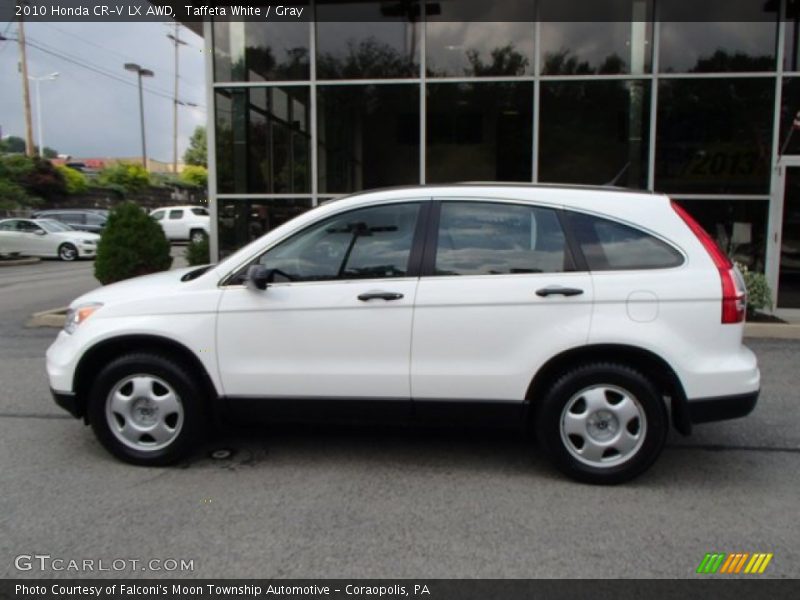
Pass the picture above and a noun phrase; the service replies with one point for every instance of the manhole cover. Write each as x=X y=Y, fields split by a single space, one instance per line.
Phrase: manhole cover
x=222 y=454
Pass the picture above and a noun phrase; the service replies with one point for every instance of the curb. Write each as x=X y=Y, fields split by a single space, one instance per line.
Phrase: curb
x=48 y=318
x=779 y=331
x=19 y=262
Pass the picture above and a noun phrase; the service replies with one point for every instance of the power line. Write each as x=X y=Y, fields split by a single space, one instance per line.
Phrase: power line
x=94 y=68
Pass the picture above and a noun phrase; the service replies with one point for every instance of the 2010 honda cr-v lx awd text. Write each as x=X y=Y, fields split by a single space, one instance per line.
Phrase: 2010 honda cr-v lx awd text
x=597 y=317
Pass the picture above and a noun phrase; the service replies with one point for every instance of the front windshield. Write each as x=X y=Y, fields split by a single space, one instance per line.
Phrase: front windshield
x=53 y=226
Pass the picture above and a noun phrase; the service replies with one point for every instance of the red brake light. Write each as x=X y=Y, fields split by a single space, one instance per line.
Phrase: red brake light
x=733 y=299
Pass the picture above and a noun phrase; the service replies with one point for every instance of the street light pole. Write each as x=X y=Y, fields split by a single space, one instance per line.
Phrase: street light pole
x=140 y=72
x=36 y=81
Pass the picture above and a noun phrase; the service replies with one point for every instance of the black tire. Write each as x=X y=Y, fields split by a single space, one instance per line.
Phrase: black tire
x=67 y=252
x=144 y=366
x=610 y=383
x=197 y=235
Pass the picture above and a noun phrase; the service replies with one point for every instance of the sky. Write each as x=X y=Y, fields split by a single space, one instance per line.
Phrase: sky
x=86 y=114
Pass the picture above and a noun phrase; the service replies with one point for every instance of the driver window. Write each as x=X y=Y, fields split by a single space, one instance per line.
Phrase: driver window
x=28 y=227
x=369 y=243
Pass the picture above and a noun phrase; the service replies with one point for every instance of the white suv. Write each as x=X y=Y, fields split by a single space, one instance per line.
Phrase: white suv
x=182 y=223
x=595 y=316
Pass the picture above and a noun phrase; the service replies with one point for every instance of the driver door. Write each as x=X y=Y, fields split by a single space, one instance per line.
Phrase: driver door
x=336 y=321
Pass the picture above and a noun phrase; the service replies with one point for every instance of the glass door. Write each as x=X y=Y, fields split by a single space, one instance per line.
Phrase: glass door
x=789 y=261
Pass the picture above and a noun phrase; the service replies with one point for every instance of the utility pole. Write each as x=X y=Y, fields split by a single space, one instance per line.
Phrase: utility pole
x=140 y=72
x=178 y=43
x=26 y=93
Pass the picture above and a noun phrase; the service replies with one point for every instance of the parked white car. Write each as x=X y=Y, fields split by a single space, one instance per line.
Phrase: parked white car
x=595 y=317
x=181 y=223
x=46 y=238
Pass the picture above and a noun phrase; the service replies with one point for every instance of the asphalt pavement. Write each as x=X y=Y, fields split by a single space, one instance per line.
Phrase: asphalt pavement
x=335 y=502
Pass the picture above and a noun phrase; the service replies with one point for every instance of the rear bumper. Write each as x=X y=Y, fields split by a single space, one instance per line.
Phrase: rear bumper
x=721 y=408
x=69 y=402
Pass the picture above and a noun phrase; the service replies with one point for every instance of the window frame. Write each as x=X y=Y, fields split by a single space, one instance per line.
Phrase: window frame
x=428 y=268
x=236 y=277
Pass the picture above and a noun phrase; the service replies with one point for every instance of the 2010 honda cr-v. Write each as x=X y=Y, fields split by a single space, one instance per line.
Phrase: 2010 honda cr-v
x=597 y=317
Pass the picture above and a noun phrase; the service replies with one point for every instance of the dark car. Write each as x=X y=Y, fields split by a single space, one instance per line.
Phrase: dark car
x=81 y=219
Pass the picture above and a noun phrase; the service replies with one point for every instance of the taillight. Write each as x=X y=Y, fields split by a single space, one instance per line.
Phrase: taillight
x=733 y=295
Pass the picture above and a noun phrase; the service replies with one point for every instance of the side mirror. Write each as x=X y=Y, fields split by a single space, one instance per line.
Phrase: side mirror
x=259 y=277
x=40 y=232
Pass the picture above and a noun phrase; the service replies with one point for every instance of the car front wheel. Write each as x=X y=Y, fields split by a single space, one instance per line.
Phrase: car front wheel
x=602 y=423
x=197 y=236
x=146 y=409
x=67 y=252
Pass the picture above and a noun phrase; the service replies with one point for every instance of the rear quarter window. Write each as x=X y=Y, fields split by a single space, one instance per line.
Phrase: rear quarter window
x=611 y=246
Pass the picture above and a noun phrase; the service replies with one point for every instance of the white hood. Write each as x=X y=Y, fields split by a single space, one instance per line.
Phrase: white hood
x=159 y=284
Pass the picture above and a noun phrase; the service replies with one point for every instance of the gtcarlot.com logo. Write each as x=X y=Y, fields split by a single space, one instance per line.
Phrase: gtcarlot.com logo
x=46 y=562
x=733 y=563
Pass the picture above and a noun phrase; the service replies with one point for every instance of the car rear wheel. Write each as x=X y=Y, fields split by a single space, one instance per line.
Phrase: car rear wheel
x=67 y=252
x=602 y=423
x=197 y=236
x=146 y=409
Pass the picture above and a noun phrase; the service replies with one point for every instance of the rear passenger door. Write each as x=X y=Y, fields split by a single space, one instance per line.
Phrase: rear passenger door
x=500 y=294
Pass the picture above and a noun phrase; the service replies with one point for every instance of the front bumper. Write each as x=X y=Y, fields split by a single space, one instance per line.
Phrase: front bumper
x=87 y=251
x=69 y=402
x=721 y=408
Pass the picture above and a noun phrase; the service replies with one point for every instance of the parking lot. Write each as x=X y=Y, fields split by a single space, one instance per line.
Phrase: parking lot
x=333 y=502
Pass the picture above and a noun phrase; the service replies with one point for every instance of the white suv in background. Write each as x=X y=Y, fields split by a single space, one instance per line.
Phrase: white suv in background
x=597 y=317
x=181 y=223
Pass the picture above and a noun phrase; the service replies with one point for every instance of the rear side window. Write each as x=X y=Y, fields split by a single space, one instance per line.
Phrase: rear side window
x=175 y=214
x=493 y=238
x=69 y=217
x=200 y=212
x=611 y=246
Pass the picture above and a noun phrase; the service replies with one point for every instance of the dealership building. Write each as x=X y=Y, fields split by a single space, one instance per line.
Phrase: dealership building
x=384 y=93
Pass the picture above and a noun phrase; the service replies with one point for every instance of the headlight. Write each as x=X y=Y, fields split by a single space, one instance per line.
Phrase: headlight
x=77 y=315
x=88 y=242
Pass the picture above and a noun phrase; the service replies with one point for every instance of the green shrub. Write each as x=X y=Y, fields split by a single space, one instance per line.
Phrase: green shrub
x=132 y=177
x=197 y=253
x=759 y=296
x=75 y=181
x=194 y=175
x=132 y=244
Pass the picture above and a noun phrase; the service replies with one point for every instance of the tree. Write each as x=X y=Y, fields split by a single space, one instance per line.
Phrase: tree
x=37 y=176
x=12 y=144
x=132 y=244
x=194 y=175
x=131 y=177
x=196 y=152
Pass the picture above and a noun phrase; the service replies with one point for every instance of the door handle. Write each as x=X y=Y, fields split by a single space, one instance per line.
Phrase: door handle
x=557 y=290
x=366 y=296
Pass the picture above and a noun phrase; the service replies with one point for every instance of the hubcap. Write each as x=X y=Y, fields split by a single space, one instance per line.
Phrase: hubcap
x=603 y=426
x=68 y=253
x=144 y=412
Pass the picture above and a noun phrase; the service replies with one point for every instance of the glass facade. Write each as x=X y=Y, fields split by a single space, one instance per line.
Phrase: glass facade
x=641 y=97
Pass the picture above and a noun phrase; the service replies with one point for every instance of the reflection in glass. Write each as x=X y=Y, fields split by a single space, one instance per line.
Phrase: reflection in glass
x=790 y=112
x=260 y=51
x=370 y=243
x=368 y=136
x=619 y=40
x=479 y=131
x=791 y=53
x=710 y=47
x=594 y=132
x=263 y=140
x=381 y=40
x=480 y=49
x=714 y=135
x=499 y=239
x=738 y=226
x=789 y=278
x=242 y=221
